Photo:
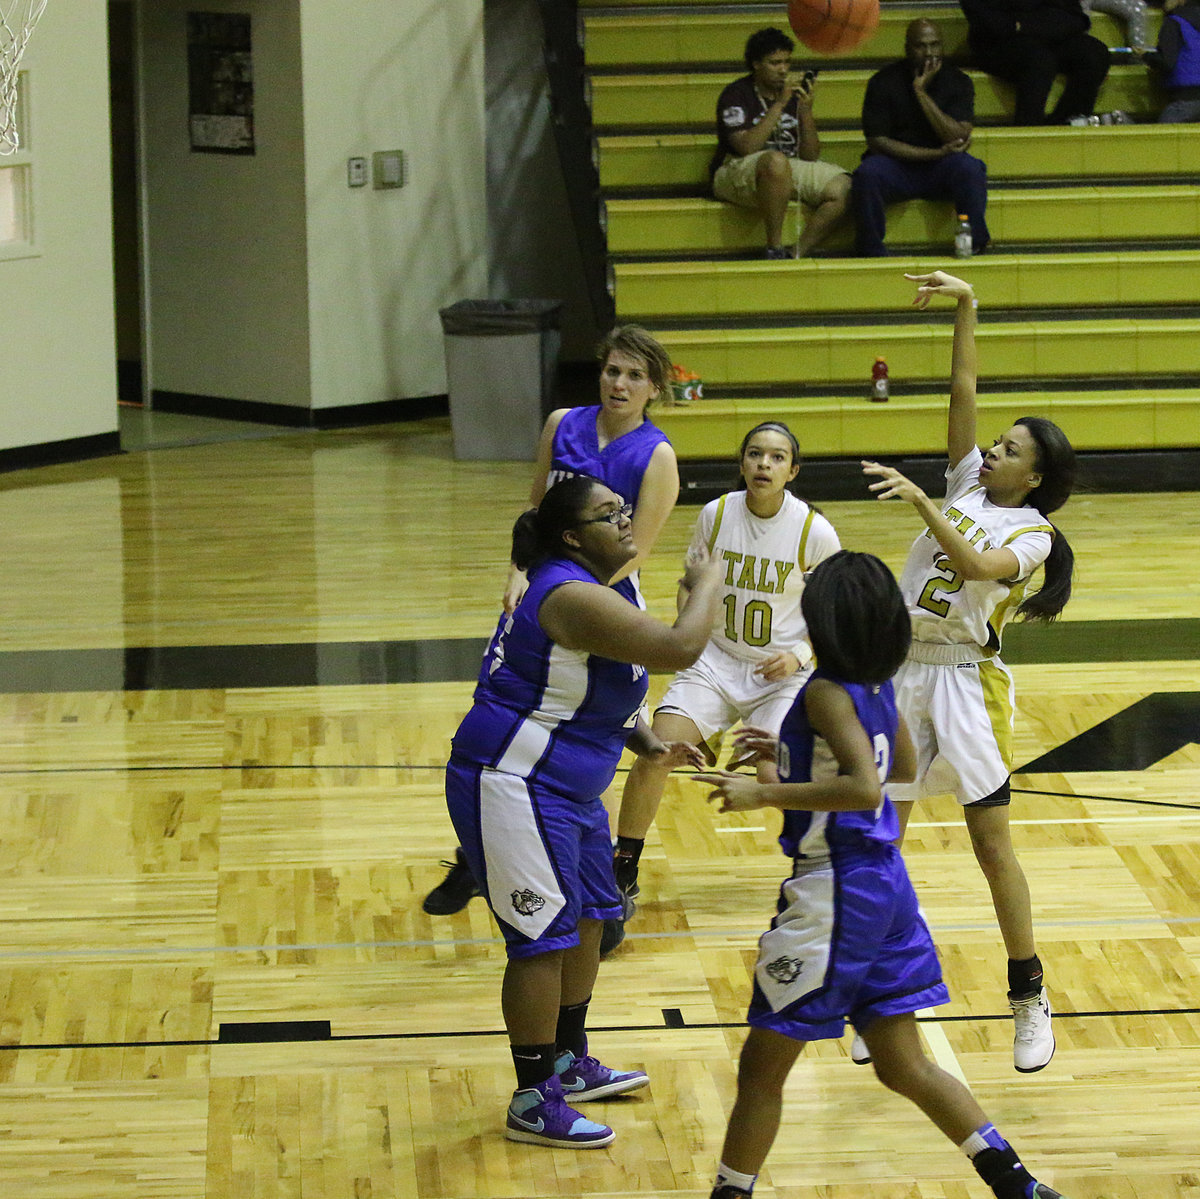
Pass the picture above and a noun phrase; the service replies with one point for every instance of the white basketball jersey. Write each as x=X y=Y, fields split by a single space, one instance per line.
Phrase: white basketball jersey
x=765 y=560
x=945 y=607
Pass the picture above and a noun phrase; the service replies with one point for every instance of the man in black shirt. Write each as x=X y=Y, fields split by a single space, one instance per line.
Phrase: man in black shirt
x=1028 y=43
x=917 y=117
x=768 y=147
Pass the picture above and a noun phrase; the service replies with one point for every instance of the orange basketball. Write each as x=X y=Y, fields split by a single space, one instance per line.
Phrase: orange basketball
x=833 y=26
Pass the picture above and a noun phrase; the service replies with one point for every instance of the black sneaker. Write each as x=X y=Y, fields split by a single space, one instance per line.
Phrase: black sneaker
x=455 y=891
x=729 y=1191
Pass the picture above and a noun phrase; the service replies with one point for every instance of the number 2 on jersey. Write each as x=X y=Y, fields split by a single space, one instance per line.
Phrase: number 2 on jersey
x=947 y=583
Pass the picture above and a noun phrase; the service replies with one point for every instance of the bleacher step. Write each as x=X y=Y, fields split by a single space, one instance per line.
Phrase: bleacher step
x=676 y=291
x=852 y=426
x=1109 y=214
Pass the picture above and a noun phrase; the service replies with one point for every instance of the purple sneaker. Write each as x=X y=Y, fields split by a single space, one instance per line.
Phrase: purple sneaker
x=540 y=1116
x=585 y=1078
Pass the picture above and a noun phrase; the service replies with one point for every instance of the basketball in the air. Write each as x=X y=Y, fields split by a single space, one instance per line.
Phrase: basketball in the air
x=833 y=26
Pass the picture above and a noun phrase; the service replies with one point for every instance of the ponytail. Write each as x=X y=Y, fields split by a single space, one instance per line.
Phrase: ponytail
x=1056 y=465
x=1051 y=598
x=538 y=532
x=525 y=540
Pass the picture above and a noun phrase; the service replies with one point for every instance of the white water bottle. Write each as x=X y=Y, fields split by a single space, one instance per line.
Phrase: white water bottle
x=962 y=239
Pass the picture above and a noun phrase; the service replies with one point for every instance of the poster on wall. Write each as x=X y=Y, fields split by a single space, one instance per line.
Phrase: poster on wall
x=220 y=83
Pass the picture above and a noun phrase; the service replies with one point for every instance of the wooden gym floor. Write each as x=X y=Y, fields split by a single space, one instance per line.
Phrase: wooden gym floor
x=228 y=677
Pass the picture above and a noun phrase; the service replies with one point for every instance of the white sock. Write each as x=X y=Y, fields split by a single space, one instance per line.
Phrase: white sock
x=983 y=1138
x=731 y=1177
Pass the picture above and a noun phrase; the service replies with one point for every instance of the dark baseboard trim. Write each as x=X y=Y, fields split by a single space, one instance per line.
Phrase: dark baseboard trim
x=383 y=412
x=842 y=479
x=50 y=453
x=187 y=404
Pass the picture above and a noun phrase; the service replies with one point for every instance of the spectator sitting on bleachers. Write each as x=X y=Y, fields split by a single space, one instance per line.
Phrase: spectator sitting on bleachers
x=1133 y=12
x=1178 y=57
x=768 y=147
x=1028 y=43
x=917 y=117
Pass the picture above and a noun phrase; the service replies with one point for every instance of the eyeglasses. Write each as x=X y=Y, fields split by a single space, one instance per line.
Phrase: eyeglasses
x=624 y=512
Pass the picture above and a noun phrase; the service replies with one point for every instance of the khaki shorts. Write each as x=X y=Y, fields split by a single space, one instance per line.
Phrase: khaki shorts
x=735 y=179
x=720 y=689
x=961 y=721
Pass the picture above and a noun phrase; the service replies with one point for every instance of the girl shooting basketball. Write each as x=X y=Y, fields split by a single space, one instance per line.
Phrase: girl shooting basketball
x=965 y=576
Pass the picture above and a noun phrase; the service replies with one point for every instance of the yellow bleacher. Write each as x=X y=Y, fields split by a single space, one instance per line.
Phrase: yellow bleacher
x=1090 y=296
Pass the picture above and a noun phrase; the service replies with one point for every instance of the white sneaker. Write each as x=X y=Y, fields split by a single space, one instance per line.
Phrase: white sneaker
x=860 y=1055
x=1033 y=1043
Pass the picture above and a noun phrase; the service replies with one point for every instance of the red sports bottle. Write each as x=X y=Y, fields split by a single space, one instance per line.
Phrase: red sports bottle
x=879 y=381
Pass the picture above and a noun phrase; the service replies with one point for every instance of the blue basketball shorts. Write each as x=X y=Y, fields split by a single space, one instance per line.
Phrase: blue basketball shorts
x=848 y=941
x=542 y=861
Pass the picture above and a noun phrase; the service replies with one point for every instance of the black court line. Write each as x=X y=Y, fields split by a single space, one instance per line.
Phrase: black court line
x=226 y=667
x=457 y=659
x=438 y=767
x=287 y=1031
x=1177 y=805
x=258 y=1032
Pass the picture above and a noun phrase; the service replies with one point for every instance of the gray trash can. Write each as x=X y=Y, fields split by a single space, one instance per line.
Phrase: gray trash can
x=501 y=359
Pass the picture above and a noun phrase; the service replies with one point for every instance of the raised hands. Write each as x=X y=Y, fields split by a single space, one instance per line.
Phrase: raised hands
x=737 y=792
x=674 y=754
x=939 y=283
x=892 y=484
x=699 y=565
x=751 y=745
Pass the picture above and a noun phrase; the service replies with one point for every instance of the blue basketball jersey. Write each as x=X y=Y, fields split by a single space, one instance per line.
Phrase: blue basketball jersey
x=619 y=465
x=555 y=716
x=805 y=756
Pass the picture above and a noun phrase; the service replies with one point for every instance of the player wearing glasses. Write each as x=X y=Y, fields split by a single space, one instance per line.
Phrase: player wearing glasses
x=559 y=697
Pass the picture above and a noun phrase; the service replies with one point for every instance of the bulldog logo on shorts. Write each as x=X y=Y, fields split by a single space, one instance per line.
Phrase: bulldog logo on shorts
x=525 y=903
x=785 y=970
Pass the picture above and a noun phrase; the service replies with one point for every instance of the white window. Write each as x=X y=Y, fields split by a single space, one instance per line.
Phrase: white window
x=14 y=204
x=16 y=176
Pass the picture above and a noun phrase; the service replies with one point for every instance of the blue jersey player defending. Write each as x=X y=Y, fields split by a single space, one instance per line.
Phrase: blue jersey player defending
x=560 y=695
x=848 y=939
x=615 y=442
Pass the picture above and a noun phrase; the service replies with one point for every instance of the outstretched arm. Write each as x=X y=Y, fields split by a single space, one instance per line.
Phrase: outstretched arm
x=960 y=425
x=596 y=620
x=644 y=742
x=855 y=787
x=969 y=561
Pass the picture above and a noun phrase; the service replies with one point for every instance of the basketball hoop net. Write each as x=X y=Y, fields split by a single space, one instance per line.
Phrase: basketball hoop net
x=17 y=19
